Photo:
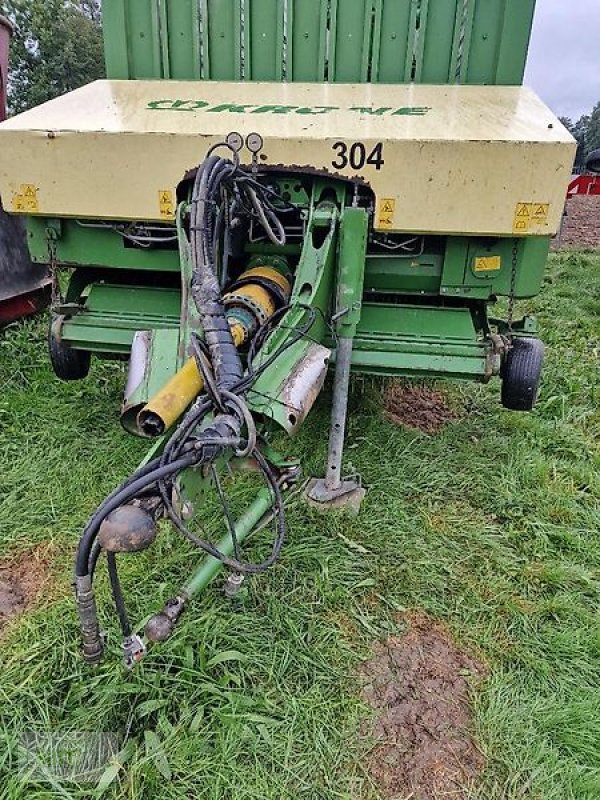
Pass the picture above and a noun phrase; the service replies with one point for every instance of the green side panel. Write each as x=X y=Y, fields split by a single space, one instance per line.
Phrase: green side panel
x=499 y=41
x=419 y=340
x=306 y=40
x=383 y=41
x=112 y=315
x=92 y=247
x=390 y=274
x=436 y=32
x=221 y=40
x=350 y=40
x=114 y=27
x=180 y=28
x=460 y=279
x=142 y=23
x=383 y=321
x=514 y=42
x=393 y=41
x=264 y=40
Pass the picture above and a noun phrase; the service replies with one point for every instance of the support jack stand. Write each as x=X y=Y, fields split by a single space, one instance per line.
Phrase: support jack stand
x=333 y=491
x=348 y=495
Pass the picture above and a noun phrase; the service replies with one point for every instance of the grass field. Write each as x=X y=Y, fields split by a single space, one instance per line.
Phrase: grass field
x=491 y=526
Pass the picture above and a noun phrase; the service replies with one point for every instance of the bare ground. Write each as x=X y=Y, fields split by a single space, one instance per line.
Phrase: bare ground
x=418 y=686
x=418 y=407
x=22 y=580
x=581 y=225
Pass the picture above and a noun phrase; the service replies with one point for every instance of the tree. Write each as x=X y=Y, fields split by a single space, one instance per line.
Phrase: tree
x=578 y=131
x=93 y=9
x=587 y=133
x=592 y=138
x=57 y=47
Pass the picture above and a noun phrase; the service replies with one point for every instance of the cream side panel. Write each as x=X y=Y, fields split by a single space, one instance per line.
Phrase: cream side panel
x=449 y=112
x=437 y=187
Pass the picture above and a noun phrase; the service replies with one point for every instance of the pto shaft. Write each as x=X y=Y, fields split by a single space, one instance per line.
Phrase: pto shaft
x=249 y=303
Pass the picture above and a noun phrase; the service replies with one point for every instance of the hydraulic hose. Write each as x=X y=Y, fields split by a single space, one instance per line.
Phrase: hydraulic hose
x=119 y=498
x=206 y=290
x=246 y=313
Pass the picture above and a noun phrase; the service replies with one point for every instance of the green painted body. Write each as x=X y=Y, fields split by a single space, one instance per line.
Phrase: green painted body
x=422 y=315
x=416 y=313
x=381 y=41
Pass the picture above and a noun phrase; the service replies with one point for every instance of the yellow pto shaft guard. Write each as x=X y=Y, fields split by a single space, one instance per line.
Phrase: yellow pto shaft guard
x=252 y=300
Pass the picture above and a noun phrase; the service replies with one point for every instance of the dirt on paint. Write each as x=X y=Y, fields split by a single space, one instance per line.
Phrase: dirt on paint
x=418 y=407
x=22 y=580
x=419 y=686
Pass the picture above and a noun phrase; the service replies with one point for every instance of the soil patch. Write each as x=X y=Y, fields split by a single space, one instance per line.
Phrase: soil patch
x=581 y=225
x=418 y=407
x=22 y=580
x=419 y=688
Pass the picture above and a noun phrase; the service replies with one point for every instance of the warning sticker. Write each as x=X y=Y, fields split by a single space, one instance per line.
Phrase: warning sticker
x=26 y=201
x=166 y=203
x=487 y=264
x=530 y=215
x=385 y=212
x=522 y=221
x=540 y=213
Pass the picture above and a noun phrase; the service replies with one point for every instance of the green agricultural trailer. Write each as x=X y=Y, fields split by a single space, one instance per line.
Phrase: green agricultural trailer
x=264 y=190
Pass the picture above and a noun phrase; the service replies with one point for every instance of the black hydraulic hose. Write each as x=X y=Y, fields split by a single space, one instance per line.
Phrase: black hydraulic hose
x=142 y=471
x=210 y=216
x=235 y=565
x=117 y=593
x=206 y=290
x=217 y=179
x=94 y=556
x=117 y=499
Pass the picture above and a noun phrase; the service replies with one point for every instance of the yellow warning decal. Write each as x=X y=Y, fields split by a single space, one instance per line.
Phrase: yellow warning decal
x=487 y=264
x=522 y=221
x=385 y=212
x=530 y=215
x=26 y=201
x=540 y=213
x=166 y=203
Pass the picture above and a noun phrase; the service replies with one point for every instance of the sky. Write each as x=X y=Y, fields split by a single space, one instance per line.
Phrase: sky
x=564 y=57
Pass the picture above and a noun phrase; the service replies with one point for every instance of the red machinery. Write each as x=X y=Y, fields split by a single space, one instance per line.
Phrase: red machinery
x=584 y=185
x=24 y=287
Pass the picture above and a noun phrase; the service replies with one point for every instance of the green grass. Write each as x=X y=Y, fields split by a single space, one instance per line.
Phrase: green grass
x=491 y=526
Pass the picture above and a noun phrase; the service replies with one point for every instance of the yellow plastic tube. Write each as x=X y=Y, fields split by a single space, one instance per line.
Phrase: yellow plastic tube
x=167 y=405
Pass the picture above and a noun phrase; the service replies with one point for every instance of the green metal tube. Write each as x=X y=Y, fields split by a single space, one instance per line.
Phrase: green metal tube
x=243 y=528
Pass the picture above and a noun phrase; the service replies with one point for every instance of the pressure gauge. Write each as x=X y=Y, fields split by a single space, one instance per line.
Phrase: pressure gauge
x=254 y=143
x=235 y=141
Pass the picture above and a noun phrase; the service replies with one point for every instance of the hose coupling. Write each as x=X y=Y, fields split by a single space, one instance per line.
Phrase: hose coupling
x=133 y=650
x=92 y=640
x=233 y=584
x=160 y=627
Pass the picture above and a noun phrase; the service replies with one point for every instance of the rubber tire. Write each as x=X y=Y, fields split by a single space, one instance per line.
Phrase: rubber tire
x=68 y=364
x=521 y=373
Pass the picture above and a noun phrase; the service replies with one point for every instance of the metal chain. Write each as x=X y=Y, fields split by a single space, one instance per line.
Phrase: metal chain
x=513 y=282
x=56 y=297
